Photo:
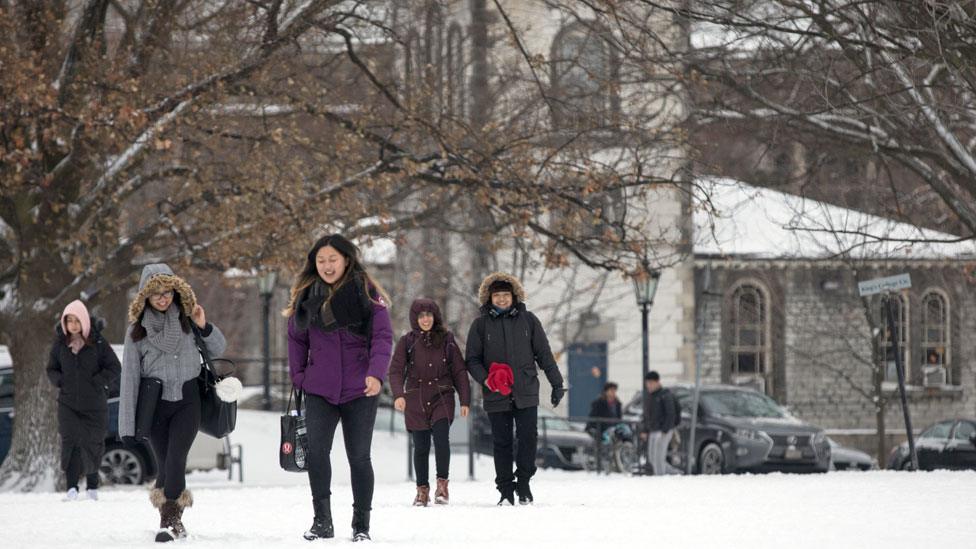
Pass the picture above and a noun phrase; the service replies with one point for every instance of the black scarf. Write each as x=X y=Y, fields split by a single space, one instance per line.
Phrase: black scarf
x=347 y=307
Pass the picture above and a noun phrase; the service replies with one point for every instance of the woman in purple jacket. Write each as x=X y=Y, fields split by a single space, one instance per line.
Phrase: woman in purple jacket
x=339 y=345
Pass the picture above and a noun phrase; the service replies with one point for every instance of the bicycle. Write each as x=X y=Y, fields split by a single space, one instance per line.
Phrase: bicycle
x=618 y=452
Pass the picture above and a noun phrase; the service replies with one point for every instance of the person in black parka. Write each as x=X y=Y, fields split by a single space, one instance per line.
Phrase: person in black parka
x=83 y=366
x=606 y=406
x=505 y=349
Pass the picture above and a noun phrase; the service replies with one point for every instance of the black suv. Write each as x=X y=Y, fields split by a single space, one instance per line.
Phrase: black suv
x=741 y=430
x=947 y=444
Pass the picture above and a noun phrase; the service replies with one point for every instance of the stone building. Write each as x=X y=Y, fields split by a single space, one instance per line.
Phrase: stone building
x=779 y=310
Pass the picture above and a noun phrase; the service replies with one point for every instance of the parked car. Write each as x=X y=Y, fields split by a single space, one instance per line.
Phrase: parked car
x=120 y=465
x=562 y=444
x=947 y=444
x=843 y=458
x=742 y=430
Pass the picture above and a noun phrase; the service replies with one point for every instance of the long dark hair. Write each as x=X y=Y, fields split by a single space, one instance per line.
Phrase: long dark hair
x=309 y=274
x=138 y=331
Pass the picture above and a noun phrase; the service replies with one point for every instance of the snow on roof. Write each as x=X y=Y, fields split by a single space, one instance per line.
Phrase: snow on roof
x=762 y=223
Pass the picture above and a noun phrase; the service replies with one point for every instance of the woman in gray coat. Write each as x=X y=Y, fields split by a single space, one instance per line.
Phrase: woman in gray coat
x=160 y=344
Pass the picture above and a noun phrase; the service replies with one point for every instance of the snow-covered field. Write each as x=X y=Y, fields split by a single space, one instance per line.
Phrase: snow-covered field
x=271 y=509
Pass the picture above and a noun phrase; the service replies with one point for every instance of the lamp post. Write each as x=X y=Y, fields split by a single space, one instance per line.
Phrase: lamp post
x=645 y=286
x=266 y=286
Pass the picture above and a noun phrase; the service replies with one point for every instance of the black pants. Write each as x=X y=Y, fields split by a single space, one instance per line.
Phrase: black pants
x=442 y=451
x=73 y=473
x=524 y=422
x=358 y=417
x=175 y=426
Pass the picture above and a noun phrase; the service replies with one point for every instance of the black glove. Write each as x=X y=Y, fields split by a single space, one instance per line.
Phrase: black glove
x=557 y=395
x=130 y=442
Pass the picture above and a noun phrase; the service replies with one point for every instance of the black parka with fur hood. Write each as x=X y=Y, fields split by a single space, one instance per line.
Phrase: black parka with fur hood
x=514 y=337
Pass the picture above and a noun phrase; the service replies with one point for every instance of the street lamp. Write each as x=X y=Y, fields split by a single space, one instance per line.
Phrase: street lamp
x=645 y=286
x=266 y=287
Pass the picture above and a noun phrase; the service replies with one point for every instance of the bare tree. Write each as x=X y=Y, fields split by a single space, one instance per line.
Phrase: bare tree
x=892 y=81
x=226 y=134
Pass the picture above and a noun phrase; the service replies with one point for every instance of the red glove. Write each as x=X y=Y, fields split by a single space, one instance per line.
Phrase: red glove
x=500 y=378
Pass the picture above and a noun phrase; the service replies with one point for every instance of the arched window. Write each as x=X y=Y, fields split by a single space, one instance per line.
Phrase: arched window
x=935 y=338
x=583 y=79
x=900 y=309
x=749 y=348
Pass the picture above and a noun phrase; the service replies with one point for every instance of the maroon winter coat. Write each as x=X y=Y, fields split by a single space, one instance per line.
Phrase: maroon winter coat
x=434 y=371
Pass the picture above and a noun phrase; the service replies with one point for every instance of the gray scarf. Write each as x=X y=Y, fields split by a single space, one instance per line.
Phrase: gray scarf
x=163 y=330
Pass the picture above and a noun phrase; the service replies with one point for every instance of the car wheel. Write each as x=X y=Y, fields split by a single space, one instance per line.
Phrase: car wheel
x=711 y=460
x=120 y=465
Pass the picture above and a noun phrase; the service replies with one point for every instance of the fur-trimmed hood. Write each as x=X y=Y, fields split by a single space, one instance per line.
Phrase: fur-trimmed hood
x=517 y=289
x=157 y=278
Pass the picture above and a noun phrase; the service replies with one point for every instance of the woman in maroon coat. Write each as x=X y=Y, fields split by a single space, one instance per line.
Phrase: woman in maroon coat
x=427 y=368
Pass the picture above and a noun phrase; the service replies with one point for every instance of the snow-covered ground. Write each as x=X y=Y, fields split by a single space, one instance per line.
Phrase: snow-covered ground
x=271 y=509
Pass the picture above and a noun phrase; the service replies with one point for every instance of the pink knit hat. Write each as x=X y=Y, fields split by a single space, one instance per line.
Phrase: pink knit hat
x=78 y=309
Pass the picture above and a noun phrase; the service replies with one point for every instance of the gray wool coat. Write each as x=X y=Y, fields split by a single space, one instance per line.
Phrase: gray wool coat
x=142 y=359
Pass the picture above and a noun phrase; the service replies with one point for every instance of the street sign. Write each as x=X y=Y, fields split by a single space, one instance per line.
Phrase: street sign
x=886 y=284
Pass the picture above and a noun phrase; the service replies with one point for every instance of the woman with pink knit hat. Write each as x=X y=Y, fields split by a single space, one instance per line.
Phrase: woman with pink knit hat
x=83 y=366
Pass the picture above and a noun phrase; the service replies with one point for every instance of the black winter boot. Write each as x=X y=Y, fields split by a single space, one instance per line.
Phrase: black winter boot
x=360 y=525
x=524 y=493
x=507 y=491
x=322 y=523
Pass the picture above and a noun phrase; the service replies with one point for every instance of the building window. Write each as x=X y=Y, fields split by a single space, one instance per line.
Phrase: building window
x=583 y=79
x=900 y=309
x=749 y=341
x=935 y=339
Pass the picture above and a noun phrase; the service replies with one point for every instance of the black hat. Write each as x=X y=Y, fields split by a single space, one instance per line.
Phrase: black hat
x=609 y=385
x=500 y=286
x=652 y=376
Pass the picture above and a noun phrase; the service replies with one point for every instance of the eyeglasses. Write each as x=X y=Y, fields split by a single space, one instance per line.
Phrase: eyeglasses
x=162 y=295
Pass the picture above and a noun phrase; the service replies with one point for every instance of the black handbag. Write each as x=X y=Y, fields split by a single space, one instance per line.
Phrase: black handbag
x=293 y=450
x=150 y=390
x=217 y=418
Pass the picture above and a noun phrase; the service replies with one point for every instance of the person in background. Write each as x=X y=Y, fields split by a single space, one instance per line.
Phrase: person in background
x=83 y=366
x=427 y=369
x=660 y=419
x=606 y=406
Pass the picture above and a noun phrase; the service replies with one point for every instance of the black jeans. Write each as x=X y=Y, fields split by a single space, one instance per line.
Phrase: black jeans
x=358 y=417
x=526 y=432
x=175 y=426
x=73 y=473
x=442 y=451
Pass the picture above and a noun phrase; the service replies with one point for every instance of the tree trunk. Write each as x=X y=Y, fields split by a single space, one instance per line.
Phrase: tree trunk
x=33 y=463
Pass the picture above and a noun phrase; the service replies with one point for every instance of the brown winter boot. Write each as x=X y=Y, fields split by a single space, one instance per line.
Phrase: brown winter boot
x=171 y=517
x=423 y=496
x=440 y=495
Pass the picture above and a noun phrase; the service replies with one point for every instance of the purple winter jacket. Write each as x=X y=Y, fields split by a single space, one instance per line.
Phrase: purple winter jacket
x=334 y=365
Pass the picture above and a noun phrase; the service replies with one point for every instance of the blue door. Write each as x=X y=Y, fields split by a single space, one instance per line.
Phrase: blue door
x=587 y=374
